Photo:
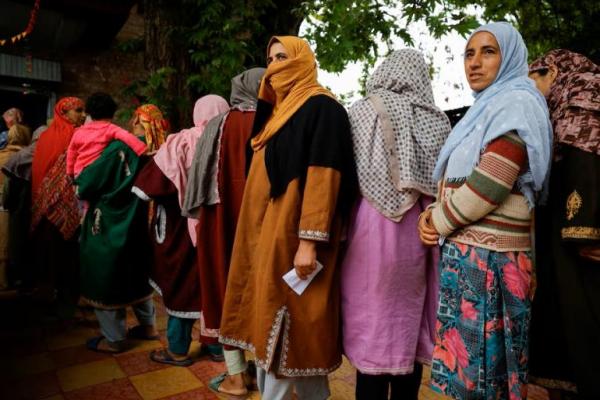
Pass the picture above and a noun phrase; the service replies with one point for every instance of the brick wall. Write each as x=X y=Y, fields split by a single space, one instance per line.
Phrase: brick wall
x=85 y=71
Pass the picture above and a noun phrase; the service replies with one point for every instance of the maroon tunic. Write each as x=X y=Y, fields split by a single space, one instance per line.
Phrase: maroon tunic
x=174 y=273
x=216 y=229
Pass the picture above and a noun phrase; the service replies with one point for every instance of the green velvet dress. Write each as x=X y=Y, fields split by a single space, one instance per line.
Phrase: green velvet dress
x=114 y=245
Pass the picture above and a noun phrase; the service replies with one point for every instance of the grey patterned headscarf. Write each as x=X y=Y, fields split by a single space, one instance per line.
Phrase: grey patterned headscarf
x=397 y=133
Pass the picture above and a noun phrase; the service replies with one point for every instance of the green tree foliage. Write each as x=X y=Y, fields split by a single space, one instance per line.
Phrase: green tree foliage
x=547 y=24
x=207 y=42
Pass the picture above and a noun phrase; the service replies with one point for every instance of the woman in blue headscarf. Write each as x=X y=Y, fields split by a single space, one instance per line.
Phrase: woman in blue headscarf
x=493 y=168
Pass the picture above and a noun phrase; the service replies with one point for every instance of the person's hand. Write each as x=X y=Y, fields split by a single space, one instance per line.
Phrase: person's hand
x=427 y=233
x=150 y=152
x=590 y=252
x=305 y=260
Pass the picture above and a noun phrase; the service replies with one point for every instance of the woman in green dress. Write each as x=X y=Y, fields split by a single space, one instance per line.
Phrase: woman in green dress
x=114 y=246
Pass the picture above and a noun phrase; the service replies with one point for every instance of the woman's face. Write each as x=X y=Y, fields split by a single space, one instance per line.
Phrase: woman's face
x=277 y=53
x=138 y=129
x=76 y=116
x=482 y=60
x=544 y=82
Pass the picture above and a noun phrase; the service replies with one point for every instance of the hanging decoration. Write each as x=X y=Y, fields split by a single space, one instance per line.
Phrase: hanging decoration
x=28 y=29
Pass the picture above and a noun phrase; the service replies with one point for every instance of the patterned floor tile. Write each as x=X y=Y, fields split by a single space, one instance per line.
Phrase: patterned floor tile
x=75 y=355
x=138 y=363
x=93 y=373
x=53 y=364
x=55 y=397
x=345 y=373
x=24 y=349
x=19 y=344
x=71 y=338
x=195 y=348
x=28 y=365
x=340 y=390
x=120 y=389
x=137 y=346
x=165 y=382
x=205 y=370
x=31 y=387
x=202 y=393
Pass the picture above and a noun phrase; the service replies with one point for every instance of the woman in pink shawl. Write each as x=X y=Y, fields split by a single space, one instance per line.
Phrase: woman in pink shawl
x=175 y=157
x=174 y=274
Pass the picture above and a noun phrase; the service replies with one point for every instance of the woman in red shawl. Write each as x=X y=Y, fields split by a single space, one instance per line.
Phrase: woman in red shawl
x=55 y=216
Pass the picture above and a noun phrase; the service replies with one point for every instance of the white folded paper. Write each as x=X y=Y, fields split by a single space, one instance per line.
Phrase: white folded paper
x=299 y=285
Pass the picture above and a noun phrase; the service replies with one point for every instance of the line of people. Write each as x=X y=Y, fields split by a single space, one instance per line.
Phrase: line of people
x=416 y=238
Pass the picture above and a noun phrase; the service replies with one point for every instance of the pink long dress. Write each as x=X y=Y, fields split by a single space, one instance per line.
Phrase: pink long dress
x=389 y=292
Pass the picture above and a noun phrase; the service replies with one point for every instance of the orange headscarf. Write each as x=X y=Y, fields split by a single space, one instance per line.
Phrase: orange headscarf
x=155 y=125
x=287 y=85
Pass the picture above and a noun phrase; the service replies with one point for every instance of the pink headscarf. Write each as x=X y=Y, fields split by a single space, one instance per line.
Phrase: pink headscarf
x=174 y=157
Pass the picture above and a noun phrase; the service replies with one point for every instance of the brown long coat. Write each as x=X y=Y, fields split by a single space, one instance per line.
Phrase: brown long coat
x=289 y=334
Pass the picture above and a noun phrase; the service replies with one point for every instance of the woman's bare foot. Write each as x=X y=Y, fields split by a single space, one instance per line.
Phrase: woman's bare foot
x=234 y=384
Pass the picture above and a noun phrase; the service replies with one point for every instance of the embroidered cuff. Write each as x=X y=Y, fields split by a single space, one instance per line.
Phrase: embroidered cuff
x=319 y=236
x=580 y=232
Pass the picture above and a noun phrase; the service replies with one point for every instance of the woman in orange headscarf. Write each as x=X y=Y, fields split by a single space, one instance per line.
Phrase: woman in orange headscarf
x=300 y=182
x=148 y=122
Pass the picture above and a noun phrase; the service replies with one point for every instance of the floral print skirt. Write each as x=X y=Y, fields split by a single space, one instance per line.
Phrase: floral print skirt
x=482 y=327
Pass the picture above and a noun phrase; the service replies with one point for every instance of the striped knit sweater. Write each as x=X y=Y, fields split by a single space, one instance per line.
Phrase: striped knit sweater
x=486 y=209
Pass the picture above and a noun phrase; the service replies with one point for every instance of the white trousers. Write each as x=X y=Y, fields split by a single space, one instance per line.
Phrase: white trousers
x=308 y=388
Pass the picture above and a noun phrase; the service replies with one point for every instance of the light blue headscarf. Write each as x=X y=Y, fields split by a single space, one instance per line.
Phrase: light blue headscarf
x=511 y=102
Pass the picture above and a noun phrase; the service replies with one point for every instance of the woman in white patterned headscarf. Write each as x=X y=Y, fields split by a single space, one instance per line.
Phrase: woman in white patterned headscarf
x=389 y=285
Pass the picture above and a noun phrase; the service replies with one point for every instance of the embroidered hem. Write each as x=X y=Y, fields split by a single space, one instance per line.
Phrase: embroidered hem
x=282 y=319
x=174 y=313
x=313 y=235
x=207 y=332
x=390 y=371
x=98 y=304
x=580 y=232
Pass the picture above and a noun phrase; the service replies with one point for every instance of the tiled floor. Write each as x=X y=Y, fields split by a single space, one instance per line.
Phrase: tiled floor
x=49 y=361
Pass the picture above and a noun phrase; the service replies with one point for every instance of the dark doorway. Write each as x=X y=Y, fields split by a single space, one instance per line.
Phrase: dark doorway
x=34 y=106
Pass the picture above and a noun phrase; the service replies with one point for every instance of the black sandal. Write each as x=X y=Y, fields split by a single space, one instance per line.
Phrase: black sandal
x=92 y=344
x=162 y=356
